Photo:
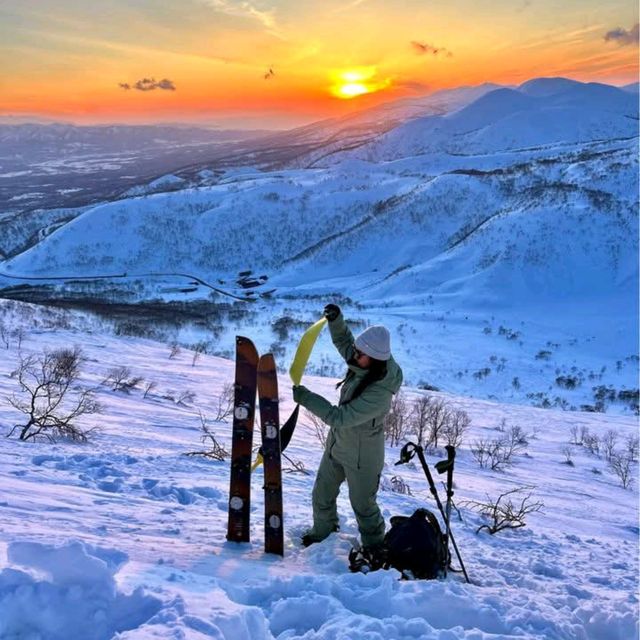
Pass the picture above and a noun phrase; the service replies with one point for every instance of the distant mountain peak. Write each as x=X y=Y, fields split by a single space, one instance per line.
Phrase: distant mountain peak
x=544 y=87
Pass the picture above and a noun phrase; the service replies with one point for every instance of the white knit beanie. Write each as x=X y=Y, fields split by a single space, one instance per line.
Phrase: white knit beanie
x=375 y=342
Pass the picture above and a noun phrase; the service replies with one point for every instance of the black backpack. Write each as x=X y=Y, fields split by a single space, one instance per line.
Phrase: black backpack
x=415 y=546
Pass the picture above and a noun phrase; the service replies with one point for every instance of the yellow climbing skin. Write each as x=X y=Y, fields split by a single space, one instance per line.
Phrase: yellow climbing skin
x=257 y=463
x=305 y=347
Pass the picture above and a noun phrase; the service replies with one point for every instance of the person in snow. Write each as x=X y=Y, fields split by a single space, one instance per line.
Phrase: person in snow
x=354 y=449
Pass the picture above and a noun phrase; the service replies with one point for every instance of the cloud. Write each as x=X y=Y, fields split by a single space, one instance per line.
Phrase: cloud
x=166 y=84
x=243 y=9
x=622 y=36
x=347 y=7
x=422 y=48
x=149 y=84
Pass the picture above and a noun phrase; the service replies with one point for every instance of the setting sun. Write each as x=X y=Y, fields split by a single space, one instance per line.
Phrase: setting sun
x=352 y=89
x=350 y=83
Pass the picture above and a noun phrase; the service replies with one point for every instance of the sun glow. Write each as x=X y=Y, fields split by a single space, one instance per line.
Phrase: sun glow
x=349 y=83
x=352 y=89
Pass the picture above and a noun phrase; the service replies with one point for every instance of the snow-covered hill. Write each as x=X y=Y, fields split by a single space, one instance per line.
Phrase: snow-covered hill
x=540 y=112
x=529 y=233
x=124 y=536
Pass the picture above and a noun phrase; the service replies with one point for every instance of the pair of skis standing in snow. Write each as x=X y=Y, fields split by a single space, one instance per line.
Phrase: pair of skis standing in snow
x=254 y=372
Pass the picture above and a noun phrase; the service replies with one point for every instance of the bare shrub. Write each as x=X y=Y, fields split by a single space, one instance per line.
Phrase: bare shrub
x=198 y=348
x=575 y=435
x=149 y=387
x=438 y=418
x=120 y=379
x=4 y=335
x=297 y=466
x=632 y=445
x=185 y=397
x=592 y=444
x=225 y=400
x=319 y=428
x=432 y=419
x=608 y=442
x=215 y=450
x=50 y=397
x=456 y=426
x=517 y=438
x=578 y=434
x=174 y=350
x=621 y=465
x=419 y=418
x=19 y=334
x=568 y=456
x=503 y=512
x=485 y=451
x=499 y=452
x=395 y=422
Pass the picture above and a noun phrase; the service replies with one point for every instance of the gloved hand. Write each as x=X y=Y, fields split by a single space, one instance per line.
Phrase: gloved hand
x=299 y=391
x=331 y=312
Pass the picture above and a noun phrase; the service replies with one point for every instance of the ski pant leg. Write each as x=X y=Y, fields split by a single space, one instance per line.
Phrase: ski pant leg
x=325 y=492
x=363 y=489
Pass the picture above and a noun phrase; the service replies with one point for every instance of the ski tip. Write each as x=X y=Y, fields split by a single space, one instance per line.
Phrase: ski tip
x=267 y=361
x=246 y=345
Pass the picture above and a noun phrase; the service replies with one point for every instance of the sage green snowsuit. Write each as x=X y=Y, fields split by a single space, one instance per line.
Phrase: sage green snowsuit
x=354 y=450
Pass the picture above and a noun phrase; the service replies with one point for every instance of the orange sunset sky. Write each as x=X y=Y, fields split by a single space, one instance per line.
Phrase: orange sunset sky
x=273 y=64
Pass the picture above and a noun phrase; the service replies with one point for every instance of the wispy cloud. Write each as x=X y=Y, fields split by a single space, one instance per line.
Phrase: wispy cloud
x=423 y=48
x=524 y=6
x=560 y=36
x=622 y=36
x=244 y=9
x=350 y=5
x=149 y=84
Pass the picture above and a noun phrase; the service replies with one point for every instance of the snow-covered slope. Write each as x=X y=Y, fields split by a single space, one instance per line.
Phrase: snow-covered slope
x=124 y=537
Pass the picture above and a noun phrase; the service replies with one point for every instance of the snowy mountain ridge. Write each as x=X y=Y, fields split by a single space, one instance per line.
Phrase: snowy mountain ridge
x=539 y=112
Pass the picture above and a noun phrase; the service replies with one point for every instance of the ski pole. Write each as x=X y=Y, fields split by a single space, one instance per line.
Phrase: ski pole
x=405 y=456
x=441 y=467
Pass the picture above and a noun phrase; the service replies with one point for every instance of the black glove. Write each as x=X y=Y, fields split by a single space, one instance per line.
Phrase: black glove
x=331 y=312
x=299 y=392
